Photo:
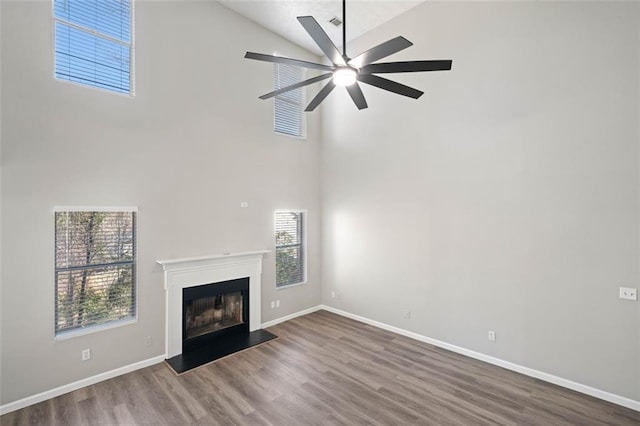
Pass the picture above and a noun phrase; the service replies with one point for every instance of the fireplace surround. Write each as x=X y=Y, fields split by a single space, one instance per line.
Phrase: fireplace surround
x=184 y=273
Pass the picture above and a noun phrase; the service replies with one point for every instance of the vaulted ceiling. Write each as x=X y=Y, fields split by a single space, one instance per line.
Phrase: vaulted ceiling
x=279 y=16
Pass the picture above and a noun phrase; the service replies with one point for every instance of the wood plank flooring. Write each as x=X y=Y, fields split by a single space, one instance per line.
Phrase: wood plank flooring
x=327 y=370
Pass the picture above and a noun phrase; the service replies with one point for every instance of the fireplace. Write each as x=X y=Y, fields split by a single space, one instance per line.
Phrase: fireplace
x=214 y=310
x=222 y=296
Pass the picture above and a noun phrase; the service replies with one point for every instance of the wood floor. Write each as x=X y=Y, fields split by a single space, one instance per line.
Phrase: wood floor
x=328 y=370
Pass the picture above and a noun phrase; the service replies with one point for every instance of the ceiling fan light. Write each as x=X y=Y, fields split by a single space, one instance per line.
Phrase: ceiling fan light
x=344 y=76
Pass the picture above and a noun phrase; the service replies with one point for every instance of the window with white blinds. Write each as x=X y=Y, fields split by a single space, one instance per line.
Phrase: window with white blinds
x=93 y=43
x=290 y=248
x=289 y=118
x=94 y=268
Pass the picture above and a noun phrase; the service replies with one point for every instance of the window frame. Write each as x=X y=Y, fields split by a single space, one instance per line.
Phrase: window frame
x=303 y=102
x=303 y=245
x=131 y=44
x=81 y=331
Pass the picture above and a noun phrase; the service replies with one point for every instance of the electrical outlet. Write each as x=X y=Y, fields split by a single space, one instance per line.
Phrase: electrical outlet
x=244 y=204
x=333 y=294
x=407 y=314
x=86 y=354
x=492 y=336
x=148 y=341
x=273 y=304
x=277 y=303
x=628 y=293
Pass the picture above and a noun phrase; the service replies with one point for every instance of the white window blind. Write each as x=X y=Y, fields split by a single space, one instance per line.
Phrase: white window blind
x=290 y=248
x=289 y=117
x=94 y=268
x=93 y=43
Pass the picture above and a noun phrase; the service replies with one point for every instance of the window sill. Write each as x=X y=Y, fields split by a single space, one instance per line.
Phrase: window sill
x=65 y=335
x=298 y=137
x=130 y=95
x=283 y=287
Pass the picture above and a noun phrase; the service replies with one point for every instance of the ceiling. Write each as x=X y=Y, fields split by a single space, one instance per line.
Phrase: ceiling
x=279 y=16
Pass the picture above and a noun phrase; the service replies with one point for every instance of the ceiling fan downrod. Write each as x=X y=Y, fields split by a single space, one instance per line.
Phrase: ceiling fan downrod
x=344 y=29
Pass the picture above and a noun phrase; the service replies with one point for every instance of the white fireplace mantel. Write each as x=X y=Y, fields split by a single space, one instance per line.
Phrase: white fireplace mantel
x=194 y=271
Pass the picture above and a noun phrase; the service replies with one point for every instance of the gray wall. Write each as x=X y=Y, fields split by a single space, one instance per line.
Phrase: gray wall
x=187 y=150
x=0 y=206
x=507 y=197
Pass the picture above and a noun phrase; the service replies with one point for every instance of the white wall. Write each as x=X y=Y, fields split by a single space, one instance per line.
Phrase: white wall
x=507 y=197
x=187 y=150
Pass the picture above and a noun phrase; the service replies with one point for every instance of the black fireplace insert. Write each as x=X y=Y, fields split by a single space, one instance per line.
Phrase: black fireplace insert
x=213 y=311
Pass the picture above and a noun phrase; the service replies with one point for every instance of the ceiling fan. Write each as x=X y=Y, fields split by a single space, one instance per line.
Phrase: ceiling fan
x=348 y=72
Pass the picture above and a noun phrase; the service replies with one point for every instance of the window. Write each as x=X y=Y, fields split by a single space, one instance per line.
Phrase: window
x=289 y=118
x=94 y=268
x=290 y=248
x=93 y=43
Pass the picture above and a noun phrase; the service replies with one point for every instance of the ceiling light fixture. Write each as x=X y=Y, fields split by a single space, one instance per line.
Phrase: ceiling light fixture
x=344 y=76
x=346 y=71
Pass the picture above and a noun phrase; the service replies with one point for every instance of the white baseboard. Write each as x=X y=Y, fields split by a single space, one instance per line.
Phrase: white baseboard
x=578 y=387
x=291 y=316
x=43 y=396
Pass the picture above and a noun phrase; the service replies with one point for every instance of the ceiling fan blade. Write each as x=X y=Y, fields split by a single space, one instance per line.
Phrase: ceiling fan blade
x=410 y=66
x=356 y=94
x=389 y=85
x=296 y=86
x=322 y=39
x=320 y=96
x=288 y=61
x=380 y=51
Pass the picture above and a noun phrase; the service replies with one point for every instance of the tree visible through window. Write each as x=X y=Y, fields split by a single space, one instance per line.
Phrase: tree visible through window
x=95 y=268
x=290 y=248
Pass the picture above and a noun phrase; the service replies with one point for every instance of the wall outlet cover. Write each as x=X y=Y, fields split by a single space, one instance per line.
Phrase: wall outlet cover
x=628 y=293
x=86 y=354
